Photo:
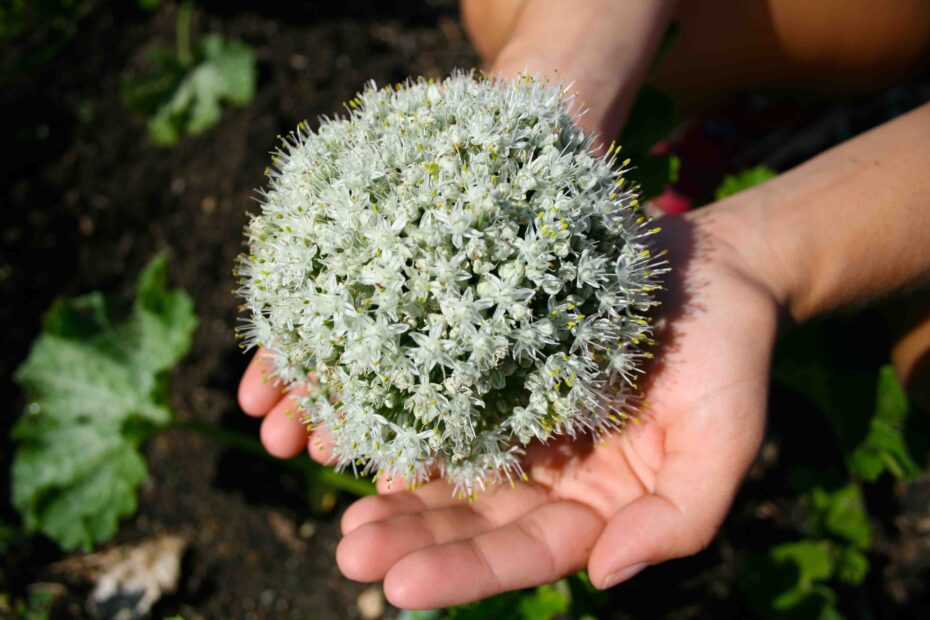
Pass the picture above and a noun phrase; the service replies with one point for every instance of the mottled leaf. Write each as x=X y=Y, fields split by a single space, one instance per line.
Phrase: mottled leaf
x=96 y=392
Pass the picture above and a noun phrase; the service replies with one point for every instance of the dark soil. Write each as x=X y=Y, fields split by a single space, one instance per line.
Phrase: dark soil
x=88 y=201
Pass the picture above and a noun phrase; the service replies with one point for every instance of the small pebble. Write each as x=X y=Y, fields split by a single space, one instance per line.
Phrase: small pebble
x=298 y=62
x=371 y=603
x=307 y=530
x=208 y=205
x=923 y=525
x=86 y=225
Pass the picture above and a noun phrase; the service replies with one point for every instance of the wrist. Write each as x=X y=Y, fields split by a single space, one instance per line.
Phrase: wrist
x=758 y=246
x=846 y=227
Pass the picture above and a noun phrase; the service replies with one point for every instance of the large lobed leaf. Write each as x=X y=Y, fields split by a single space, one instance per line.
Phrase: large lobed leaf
x=97 y=391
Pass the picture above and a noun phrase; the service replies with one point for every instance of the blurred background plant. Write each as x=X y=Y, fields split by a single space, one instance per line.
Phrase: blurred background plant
x=182 y=90
x=98 y=389
x=37 y=30
x=833 y=521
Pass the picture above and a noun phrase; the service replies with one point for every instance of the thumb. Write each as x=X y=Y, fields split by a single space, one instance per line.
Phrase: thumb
x=681 y=515
x=649 y=530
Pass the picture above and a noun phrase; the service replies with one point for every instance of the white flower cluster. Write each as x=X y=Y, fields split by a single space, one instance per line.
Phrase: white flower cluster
x=459 y=271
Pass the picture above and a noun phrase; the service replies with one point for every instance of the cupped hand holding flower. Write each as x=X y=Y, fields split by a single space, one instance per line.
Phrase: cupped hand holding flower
x=659 y=490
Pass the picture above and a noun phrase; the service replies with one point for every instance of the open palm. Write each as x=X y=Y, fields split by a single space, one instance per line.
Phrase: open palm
x=657 y=491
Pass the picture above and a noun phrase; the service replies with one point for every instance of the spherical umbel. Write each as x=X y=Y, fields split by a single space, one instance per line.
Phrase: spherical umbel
x=459 y=271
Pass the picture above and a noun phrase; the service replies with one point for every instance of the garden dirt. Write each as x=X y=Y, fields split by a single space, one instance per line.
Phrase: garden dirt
x=88 y=200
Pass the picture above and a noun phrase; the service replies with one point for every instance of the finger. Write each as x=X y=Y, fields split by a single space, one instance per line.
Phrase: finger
x=541 y=546
x=393 y=483
x=283 y=433
x=432 y=495
x=320 y=446
x=693 y=492
x=390 y=484
x=258 y=392
x=368 y=552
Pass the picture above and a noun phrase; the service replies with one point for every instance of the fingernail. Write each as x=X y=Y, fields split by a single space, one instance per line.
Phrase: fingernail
x=624 y=574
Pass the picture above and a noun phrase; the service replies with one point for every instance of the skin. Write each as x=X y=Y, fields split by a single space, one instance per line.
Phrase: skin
x=723 y=46
x=851 y=225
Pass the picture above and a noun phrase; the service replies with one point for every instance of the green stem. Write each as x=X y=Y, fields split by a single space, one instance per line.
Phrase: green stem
x=183 y=33
x=344 y=482
x=314 y=472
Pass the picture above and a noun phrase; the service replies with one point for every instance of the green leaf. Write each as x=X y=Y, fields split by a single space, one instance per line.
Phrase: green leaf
x=789 y=579
x=419 y=614
x=868 y=410
x=224 y=73
x=541 y=603
x=587 y=600
x=897 y=437
x=842 y=392
x=653 y=117
x=814 y=560
x=841 y=514
x=148 y=92
x=504 y=605
x=74 y=483
x=96 y=390
x=165 y=318
x=852 y=566
x=546 y=602
x=735 y=183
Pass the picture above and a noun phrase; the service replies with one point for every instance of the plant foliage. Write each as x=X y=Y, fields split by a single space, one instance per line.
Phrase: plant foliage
x=735 y=183
x=183 y=93
x=652 y=118
x=573 y=597
x=97 y=390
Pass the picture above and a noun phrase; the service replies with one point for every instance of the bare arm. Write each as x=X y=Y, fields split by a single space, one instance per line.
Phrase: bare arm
x=604 y=47
x=847 y=226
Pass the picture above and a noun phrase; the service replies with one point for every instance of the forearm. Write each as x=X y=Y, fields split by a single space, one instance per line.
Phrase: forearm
x=847 y=226
x=604 y=47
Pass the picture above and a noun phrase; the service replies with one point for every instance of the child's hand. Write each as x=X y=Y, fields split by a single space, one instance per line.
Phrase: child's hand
x=850 y=225
x=657 y=491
